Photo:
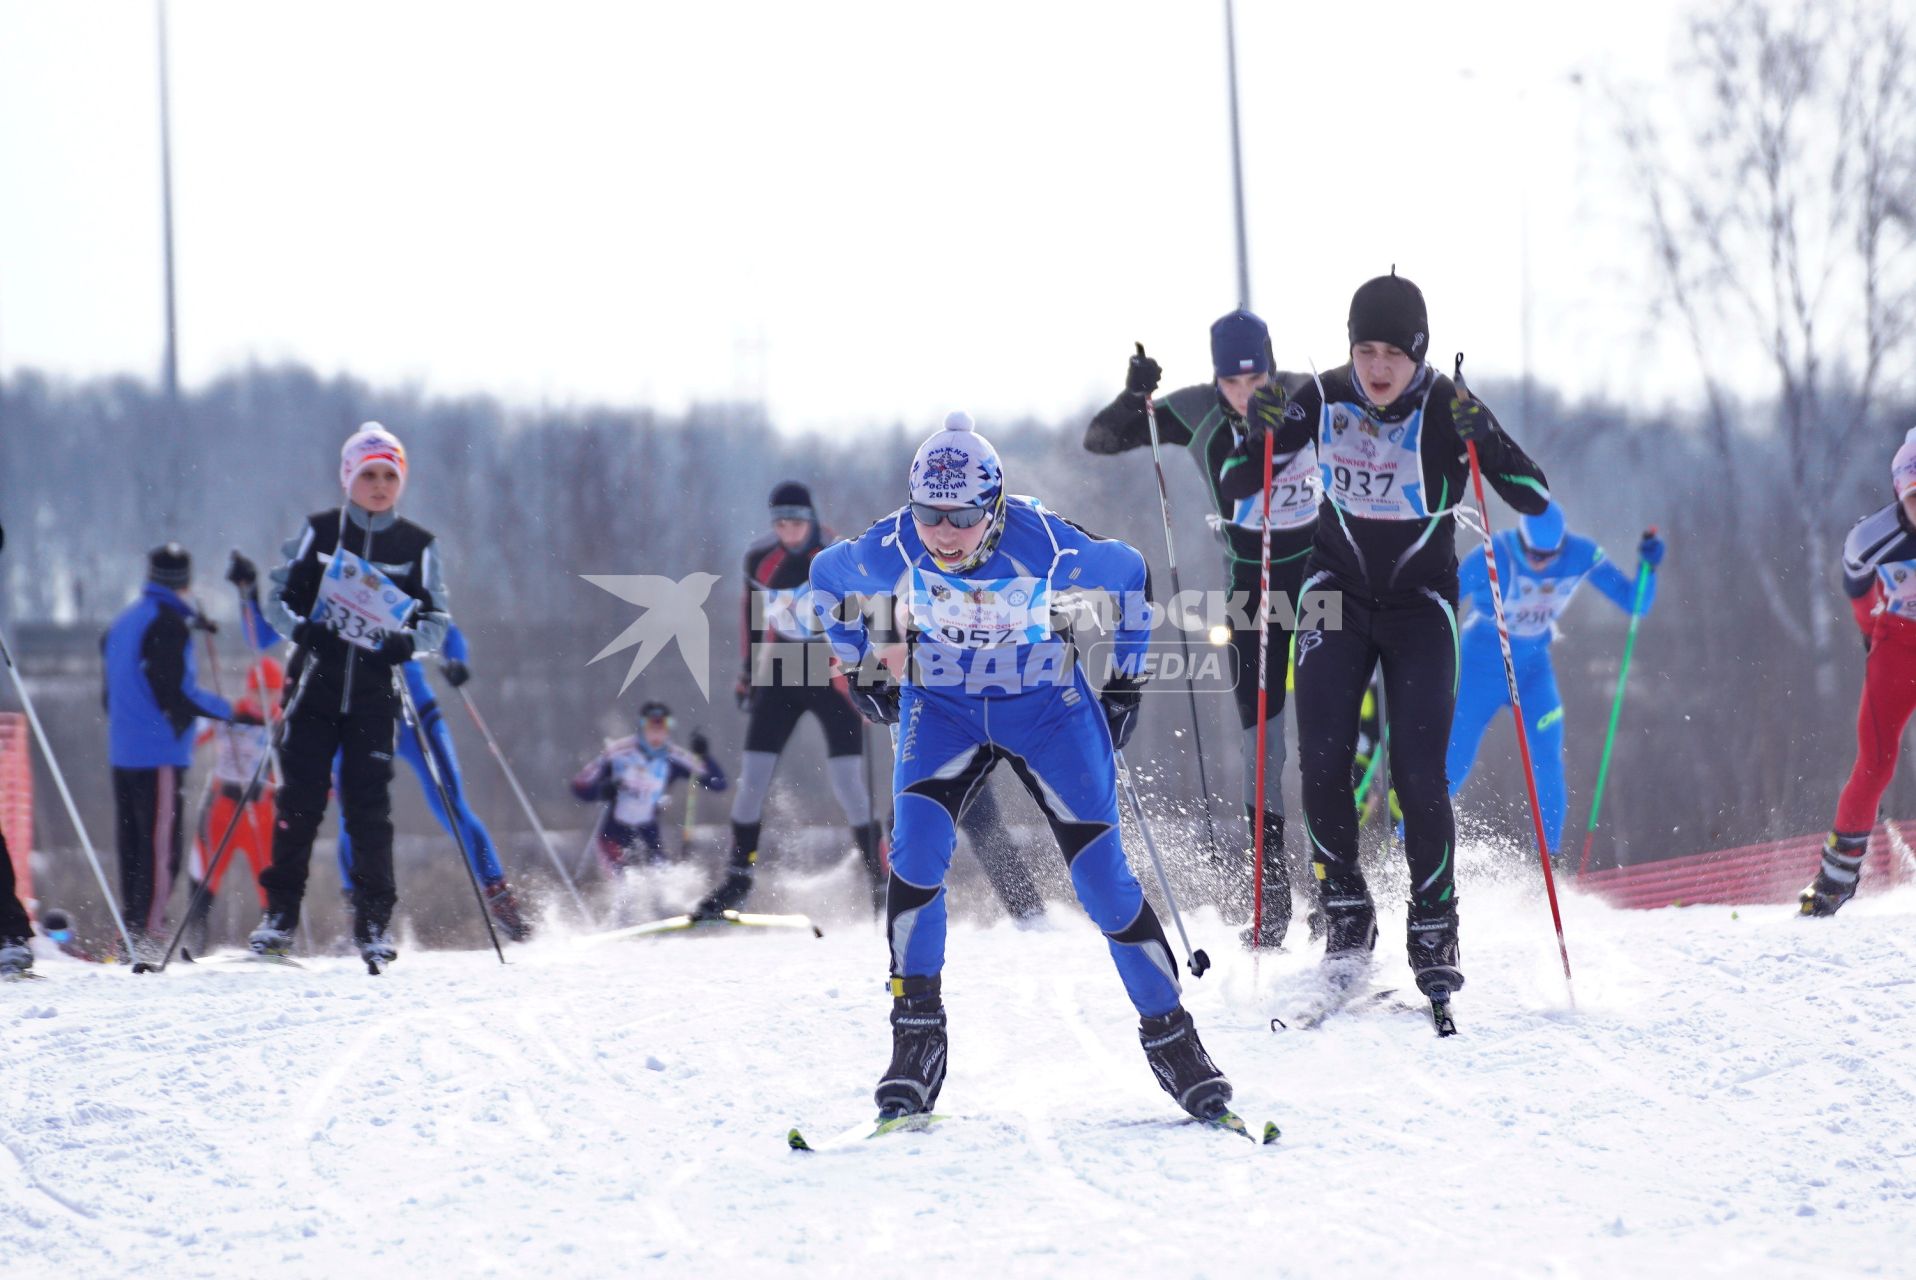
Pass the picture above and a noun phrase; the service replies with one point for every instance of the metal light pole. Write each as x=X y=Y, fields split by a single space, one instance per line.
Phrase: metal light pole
x=1237 y=158
x=169 y=507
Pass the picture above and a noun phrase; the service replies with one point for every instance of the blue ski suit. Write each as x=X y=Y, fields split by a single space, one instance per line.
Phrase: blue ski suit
x=993 y=679
x=1534 y=599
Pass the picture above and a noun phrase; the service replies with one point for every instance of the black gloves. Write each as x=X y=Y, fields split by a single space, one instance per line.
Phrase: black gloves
x=1474 y=421
x=247 y=718
x=1266 y=412
x=877 y=702
x=1141 y=379
x=242 y=573
x=700 y=744
x=396 y=648
x=1120 y=701
x=455 y=671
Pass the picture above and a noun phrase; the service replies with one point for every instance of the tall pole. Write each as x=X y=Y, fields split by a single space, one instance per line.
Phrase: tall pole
x=1237 y=159
x=170 y=373
x=172 y=367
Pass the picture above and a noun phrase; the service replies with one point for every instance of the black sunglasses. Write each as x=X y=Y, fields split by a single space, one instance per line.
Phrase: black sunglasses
x=959 y=518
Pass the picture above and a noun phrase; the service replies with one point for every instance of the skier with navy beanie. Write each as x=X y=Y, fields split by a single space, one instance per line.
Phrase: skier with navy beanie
x=1208 y=421
x=779 y=644
x=1391 y=435
x=988 y=677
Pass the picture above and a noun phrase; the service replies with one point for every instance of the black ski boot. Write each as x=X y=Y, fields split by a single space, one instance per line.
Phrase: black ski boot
x=1431 y=938
x=274 y=936
x=16 y=957
x=731 y=891
x=911 y=1083
x=503 y=907
x=1350 y=936
x=1178 y=1060
x=374 y=943
x=1837 y=878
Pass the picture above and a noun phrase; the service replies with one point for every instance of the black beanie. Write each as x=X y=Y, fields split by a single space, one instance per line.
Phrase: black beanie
x=168 y=565
x=793 y=501
x=1391 y=309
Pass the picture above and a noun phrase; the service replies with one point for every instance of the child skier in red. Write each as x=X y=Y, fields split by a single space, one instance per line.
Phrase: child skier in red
x=1879 y=573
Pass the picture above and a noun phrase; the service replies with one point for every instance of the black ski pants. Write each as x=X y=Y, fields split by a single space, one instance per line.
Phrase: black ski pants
x=362 y=736
x=148 y=830
x=1415 y=643
x=13 y=916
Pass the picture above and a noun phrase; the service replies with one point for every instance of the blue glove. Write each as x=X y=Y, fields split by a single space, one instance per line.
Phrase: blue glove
x=1650 y=550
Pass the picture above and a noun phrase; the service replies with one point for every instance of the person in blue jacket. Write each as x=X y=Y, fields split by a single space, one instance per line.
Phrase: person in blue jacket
x=152 y=698
x=1540 y=565
x=988 y=676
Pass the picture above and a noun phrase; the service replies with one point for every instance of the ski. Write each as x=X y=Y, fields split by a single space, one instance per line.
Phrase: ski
x=917 y=1122
x=1338 y=1002
x=241 y=957
x=1227 y=1122
x=1440 y=1017
x=688 y=923
x=1231 y=1122
x=23 y=975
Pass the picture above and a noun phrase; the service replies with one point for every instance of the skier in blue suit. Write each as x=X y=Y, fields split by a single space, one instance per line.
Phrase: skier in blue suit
x=1540 y=566
x=981 y=576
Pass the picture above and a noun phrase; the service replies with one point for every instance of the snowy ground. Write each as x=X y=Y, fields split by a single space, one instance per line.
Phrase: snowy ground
x=1732 y=1096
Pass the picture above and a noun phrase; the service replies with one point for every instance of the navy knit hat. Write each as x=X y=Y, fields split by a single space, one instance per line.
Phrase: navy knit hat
x=793 y=501
x=1391 y=309
x=168 y=565
x=1240 y=343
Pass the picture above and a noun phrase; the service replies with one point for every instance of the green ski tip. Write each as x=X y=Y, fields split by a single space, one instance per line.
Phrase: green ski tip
x=1231 y=1121
x=796 y=1141
x=917 y=1122
x=1271 y=1133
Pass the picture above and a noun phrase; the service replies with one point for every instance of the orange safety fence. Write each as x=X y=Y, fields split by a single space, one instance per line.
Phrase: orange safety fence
x=1773 y=872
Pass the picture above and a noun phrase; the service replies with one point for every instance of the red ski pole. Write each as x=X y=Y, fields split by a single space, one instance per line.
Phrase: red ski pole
x=1263 y=702
x=1516 y=705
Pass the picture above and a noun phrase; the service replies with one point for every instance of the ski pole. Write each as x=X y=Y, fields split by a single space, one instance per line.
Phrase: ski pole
x=1196 y=961
x=584 y=859
x=1184 y=641
x=545 y=841
x=1510 y=678
x=1616 y=711
x=202 y=892
x=66 y=796
x=445 y=799
x=1263 y=699
x=691 y=816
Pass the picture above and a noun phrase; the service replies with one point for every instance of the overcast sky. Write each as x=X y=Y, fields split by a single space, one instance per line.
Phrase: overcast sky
x=861 y=213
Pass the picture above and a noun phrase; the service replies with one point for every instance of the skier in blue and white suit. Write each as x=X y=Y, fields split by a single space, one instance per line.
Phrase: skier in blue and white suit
x=979 y=577
x=1540 y=566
